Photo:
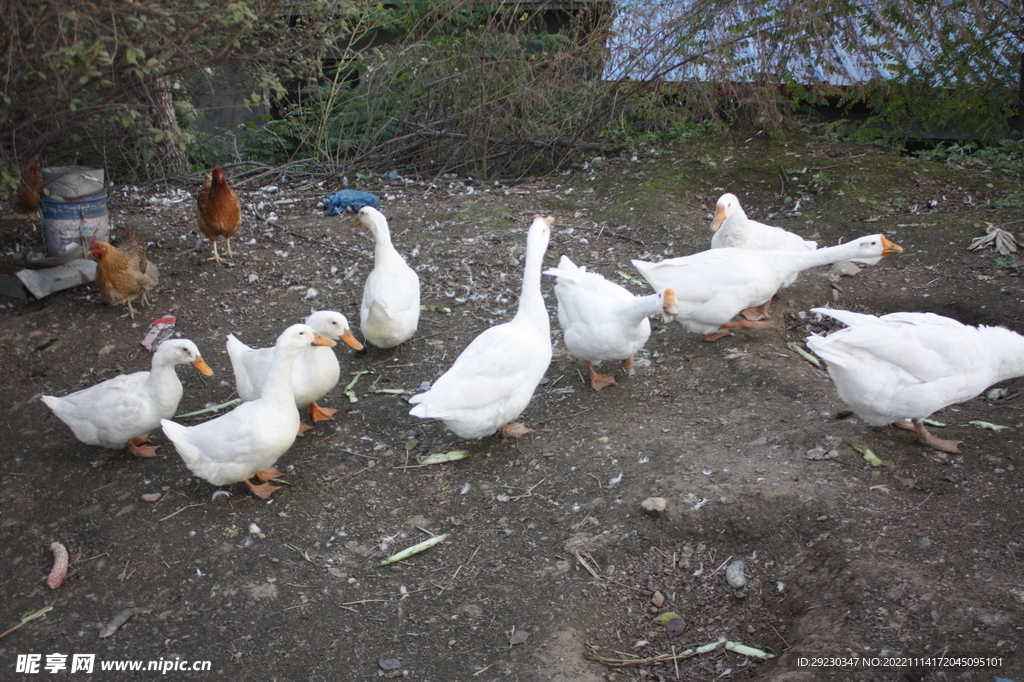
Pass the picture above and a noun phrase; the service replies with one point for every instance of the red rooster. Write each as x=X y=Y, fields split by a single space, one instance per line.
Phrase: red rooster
x=220 y=211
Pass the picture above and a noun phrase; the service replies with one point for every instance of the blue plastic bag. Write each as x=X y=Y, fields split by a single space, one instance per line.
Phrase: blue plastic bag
x=350 y=200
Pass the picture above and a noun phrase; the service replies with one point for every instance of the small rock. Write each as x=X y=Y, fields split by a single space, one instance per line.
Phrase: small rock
x=925 y=543
x=734 y=574
x=658 y=600
x=471 y=611
x=654 y=505
x=150 y=497
x=389 y=664
x=763 y=440
x=675 y=627
x=846 y=268
x=602 y=440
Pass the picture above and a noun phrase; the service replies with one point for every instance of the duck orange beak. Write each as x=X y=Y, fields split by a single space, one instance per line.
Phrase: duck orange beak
x=890 y=247
x=351 y=341
x=203 y=368
x=320 y=340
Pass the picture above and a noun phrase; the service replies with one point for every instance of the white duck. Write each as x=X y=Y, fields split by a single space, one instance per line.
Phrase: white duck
x=315 y=372
x=123 y=410
x=494 y=378
x=390 y=311
x=249 y=439
x=732 y=228
x=713 y=286
x=908 y=365
x=602 y=320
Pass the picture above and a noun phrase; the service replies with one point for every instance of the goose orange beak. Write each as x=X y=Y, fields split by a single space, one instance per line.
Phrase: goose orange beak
x=890 y=247
x=719 y=217
x=669 y=305
x=320 y=340
x=203 y=368
x=351 y=341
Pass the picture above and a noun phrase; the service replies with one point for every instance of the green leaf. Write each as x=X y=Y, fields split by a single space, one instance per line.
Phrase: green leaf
x=869 y=456
x=442 y=457
x=664 y=618
x=415 y=549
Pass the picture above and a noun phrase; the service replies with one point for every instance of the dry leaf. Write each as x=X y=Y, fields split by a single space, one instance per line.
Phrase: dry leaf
x=518 y=637
x=117 y=621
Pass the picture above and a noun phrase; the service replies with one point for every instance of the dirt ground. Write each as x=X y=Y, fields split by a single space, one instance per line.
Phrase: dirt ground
x=551 y=569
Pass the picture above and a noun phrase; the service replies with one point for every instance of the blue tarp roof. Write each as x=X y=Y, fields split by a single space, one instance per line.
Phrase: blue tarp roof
x=645 y=34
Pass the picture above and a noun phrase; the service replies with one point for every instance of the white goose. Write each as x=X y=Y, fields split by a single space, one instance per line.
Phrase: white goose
x=713 y=286
x=390 y=311
x=249 y=439
x=908 y=365
x=315 y=372
x=732 y=228
x=602 y=320
x=123 y=410
x=494 y=378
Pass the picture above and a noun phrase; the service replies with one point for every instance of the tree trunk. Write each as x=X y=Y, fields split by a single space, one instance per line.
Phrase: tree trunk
x=1020 y=96
x=175 y=162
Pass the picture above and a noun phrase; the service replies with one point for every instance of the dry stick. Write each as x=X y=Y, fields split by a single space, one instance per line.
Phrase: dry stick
x=720 y=567
x=623 y=237
x=661 y=658
x=585 y=565
x=483 y=669
x=179 y=511
x=536 y=142
x=28 y=619
x=456 y=574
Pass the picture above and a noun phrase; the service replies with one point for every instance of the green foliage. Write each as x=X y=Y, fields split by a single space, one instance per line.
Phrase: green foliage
x=482 y=86
x=473 y=87
x=110 y=79
x=1001 y=156
x=1010 y=262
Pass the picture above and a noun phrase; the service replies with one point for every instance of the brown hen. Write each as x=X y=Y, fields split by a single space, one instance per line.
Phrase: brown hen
x=26 y=200
x=220 y=211
x=124 y=273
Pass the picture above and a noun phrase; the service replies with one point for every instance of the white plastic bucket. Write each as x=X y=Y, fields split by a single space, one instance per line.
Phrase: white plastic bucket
x=73 y=205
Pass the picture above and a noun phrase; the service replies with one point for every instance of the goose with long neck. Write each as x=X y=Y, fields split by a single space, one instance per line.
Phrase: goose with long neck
x=900 y=368
x=249 y=439
x=602 y=320
x=493 y=379
x=713 y=286
x=390 y=310
x=731 y=228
